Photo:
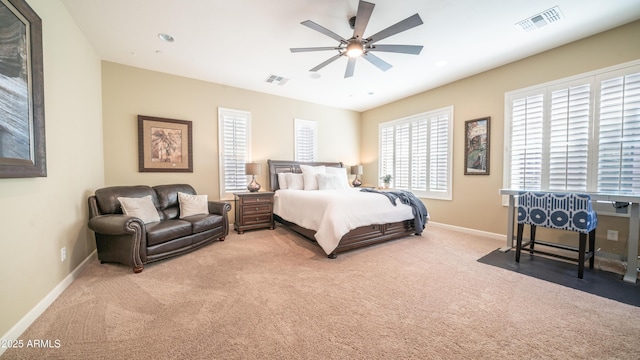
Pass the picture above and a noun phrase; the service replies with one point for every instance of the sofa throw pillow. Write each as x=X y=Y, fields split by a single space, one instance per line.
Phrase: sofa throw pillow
x=141 y=208
x=331 y=182
x=192 y=204
x=309 y=174
x=295 y=181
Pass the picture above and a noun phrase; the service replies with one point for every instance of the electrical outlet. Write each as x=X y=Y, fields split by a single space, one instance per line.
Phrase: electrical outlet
x=612 y=235
x=63 y=254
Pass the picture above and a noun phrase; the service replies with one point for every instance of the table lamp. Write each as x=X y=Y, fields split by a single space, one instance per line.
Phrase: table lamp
x=357 y=170
x=253 y=169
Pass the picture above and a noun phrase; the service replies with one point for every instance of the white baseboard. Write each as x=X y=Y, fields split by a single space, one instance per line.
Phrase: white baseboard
x=495 y=236
x=16 y=331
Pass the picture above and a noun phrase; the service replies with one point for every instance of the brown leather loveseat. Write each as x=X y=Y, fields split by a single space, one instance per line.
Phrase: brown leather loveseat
x=129 y=240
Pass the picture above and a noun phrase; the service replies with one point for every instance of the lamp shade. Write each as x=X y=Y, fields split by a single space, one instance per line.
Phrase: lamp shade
x=356 y=169
x=252 y=169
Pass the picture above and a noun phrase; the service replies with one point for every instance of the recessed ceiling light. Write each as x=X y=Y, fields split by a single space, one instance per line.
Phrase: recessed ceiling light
x=442 y=63
x=315 y=75
x=166 y=37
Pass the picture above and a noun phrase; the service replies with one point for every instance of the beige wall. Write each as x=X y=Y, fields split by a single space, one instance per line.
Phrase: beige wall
x=476 y=203
x=41 y=215
x=129 y=92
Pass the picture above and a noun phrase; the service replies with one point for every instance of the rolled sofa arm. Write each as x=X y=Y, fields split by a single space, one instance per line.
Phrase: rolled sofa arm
x=120 y=238
x=115 y=224
x=219 y=207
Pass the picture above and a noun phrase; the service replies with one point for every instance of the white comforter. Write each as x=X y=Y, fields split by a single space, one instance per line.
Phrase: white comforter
x=333 y=213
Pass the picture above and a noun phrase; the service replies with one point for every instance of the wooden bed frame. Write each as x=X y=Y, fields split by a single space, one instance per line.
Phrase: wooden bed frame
x=356 y=238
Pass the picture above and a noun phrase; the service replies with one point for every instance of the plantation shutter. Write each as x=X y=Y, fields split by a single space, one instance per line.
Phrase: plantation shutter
x=386 y=150
x=438 y=154
x=403 y=158
x=416 y=152
x=619 y=135
x=234 y=149
x=419 y=153
x=569 y=138
x=306 y=140
x=526 y=142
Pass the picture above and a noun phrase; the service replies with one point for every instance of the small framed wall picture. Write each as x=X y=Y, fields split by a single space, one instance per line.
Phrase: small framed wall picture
x=164 y=145
x=477 y=142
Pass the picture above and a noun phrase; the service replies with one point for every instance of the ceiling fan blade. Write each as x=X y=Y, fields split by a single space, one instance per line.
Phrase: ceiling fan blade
x=351 y=65
x=406 y=24
x=379 y=63
x=362 y=18
x=404 y=49
x=323 y=30
x=295 y=50
x=327 y=62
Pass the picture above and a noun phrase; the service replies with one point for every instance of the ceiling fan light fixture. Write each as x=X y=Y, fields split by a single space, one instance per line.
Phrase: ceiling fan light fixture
x=359 y=46
x=354 y=49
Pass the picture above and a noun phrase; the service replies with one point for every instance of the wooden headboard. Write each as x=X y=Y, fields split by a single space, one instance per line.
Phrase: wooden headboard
x=290 y=166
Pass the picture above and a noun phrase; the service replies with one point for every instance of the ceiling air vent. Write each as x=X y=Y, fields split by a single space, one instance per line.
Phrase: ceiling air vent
x=278 y=80
x=539 y=20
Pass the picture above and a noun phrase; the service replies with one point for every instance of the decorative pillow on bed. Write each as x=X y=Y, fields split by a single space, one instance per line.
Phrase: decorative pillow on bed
x=142 y=208
x=282 y=181
x=192 y=204
x=295 y=181
x=309 y=174
x=341 y=172
x=331 y=182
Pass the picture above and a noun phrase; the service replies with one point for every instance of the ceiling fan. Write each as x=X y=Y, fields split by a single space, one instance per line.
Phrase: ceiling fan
x=358 y=45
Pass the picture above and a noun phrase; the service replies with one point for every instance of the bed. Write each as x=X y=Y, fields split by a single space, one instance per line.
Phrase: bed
x=398 y=220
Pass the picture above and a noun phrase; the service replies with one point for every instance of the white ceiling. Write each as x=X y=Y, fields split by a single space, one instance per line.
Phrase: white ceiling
x=241 y=42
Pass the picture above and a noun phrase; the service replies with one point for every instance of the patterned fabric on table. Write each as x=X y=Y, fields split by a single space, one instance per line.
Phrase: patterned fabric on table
x=565 y=211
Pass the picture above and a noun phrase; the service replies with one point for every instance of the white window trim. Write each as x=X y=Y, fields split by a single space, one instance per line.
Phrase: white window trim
x=448 y=195
x=228 y=195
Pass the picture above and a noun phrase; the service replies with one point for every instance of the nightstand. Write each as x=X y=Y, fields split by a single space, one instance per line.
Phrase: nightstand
x=254 y=210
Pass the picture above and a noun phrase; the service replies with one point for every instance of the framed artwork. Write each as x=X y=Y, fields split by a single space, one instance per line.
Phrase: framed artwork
x=22 y=138
x=477 y=141
x=164 y=145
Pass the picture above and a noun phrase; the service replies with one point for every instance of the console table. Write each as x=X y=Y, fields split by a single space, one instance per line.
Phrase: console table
x=634 y=225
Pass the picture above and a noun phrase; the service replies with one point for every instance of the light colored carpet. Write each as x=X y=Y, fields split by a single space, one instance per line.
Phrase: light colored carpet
x=273 y=295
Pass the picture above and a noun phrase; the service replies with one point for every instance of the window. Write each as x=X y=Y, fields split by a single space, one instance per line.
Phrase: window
x=234 y=127
x=416 y=152
x=578 y=134
x=306 y=140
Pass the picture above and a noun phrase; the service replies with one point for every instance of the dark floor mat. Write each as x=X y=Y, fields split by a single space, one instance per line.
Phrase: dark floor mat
x=596 y=282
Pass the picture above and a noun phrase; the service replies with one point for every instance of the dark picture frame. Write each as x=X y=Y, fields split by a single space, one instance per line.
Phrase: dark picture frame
x=164 y=145
x=22 y=128
x=477 y=145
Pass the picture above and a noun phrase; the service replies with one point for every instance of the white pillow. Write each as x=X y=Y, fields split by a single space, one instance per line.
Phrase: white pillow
x=192 y=204
x=341 y=172
x=295 y=181
x=331 y=182
x=309 y=174
x=142 y=208
x=282 y=181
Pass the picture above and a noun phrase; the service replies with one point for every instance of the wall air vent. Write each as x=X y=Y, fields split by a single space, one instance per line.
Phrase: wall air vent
x=539 y=20
x=275 y=79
